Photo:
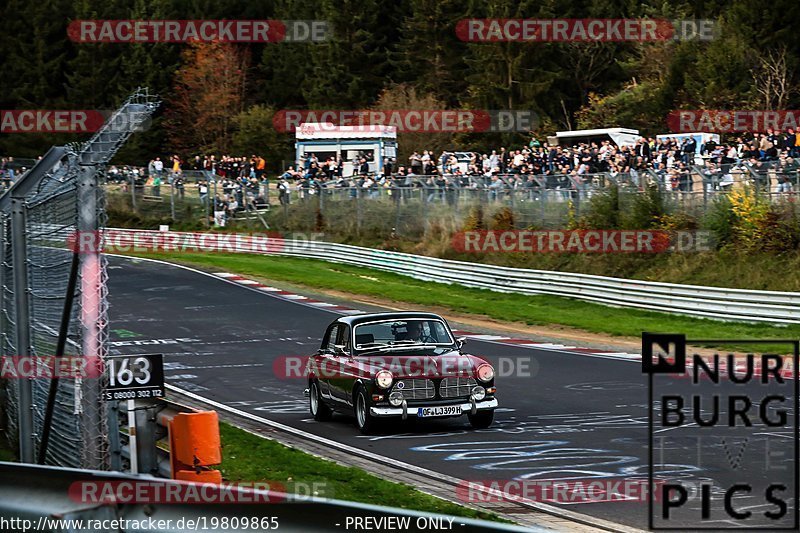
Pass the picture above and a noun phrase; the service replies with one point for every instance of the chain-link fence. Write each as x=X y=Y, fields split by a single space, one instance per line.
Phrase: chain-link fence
x=408 y=206
x=54 y=301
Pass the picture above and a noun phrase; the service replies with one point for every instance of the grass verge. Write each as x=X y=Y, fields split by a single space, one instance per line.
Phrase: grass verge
x=533 y=310
x=248 y=457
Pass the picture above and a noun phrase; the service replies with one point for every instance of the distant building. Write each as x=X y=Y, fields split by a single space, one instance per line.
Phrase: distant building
x=374 y=142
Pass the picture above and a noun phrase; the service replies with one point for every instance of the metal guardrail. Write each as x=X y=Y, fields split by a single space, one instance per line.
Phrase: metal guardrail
x=695 y=300
x=46 y=498
x=152 y=444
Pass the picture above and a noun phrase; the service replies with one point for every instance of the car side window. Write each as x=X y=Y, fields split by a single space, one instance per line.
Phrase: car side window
x=330 y=337
x=344 y=338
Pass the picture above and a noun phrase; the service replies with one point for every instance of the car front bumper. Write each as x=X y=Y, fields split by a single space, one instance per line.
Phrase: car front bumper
x=404 y=411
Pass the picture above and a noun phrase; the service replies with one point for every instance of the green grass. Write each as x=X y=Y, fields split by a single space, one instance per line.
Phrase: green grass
x=533 y=310
x=250 y=458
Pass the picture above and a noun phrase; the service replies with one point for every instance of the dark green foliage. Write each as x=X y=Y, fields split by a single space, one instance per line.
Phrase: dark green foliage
x=377 y=45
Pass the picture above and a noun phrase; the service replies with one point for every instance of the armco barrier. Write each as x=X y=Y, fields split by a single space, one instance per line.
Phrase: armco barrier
x=711 y=302
x=47 y=498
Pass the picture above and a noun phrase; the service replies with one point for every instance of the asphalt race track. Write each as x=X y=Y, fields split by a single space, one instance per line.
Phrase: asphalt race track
x=574 y=417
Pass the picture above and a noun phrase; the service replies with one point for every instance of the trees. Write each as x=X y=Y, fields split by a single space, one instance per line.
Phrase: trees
x=376 y=46
x=208 y=93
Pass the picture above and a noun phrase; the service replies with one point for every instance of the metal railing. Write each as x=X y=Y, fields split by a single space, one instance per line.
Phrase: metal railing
x=695 y=300
x=404 y=205
x=44 y=498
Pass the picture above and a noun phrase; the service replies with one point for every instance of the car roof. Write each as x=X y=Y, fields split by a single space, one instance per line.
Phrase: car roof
x=354 y=320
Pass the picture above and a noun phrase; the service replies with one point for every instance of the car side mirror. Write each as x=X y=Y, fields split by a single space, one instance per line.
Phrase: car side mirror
x=338 y=349
x=460 y=342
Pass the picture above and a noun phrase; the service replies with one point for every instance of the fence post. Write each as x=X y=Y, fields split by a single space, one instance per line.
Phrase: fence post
x=543 y=199
x=145 y=425
x=92 y=311
x=19 y=252
x=207 y=203
x=115 y=446
x=133 y=193
x=172 y=197
x=396 y=193
x=358 y=211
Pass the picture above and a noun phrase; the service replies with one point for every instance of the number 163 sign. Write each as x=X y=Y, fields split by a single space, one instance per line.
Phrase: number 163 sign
x=134 y=377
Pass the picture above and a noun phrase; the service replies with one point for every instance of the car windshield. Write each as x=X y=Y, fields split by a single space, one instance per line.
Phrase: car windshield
x=408 y=332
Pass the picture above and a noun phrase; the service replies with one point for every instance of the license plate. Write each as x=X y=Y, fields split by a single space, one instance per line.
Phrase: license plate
x=444 y=410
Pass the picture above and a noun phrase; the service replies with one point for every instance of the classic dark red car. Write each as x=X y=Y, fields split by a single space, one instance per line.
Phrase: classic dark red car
x=405 y=365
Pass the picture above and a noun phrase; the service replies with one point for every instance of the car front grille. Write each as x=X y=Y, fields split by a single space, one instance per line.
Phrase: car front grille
x=415 y=389
x=456 y=387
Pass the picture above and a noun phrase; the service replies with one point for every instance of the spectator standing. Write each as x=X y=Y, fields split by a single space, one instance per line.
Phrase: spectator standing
x=219 y=212
x=416 y=163
x=179 y=186
x=689 y=149
x=158 y=167
x=283 y=191
x=202 y=189
x=261 y=165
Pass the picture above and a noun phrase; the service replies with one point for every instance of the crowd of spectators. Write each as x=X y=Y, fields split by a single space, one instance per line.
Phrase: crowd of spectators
x=243 y=184
x=244 y=179
x=11 y=168
x=670 y=160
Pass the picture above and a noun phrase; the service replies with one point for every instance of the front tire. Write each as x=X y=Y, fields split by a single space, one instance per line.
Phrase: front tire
x=319 y=409
x=364 y=420
x=481 y=419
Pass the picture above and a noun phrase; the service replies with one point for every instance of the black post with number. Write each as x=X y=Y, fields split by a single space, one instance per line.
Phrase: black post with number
x=134 y=377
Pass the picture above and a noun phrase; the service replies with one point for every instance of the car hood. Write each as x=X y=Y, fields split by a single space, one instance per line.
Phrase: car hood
x=418 y=364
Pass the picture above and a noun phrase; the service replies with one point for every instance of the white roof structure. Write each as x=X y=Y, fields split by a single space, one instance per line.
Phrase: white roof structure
x=326 y=130
x=620 y=136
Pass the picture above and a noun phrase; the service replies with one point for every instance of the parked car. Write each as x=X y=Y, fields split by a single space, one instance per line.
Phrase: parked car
x=398 y=365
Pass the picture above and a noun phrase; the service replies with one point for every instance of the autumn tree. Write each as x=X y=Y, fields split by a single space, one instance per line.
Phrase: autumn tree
x=402 y=97
x=208 y=93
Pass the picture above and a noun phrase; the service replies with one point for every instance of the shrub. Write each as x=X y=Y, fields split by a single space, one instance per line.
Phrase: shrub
x=603 y=211
x=645 y=210
x=474 y=222
x=503 y=219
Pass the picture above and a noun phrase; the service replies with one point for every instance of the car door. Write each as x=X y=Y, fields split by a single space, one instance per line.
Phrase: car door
x=342 y=379
x=326 y=360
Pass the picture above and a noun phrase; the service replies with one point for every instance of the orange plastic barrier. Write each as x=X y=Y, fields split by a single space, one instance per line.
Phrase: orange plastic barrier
x=195 y=446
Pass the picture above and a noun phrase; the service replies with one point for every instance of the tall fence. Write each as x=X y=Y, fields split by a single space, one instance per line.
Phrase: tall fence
x=53 y=300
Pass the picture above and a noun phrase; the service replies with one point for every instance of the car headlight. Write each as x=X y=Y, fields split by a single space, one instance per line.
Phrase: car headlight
x=396 y=398
x=478 y=392
x=485 y=372
x=384 y=379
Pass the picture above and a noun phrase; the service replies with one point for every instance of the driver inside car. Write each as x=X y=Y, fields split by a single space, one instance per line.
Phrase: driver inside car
x=413 y=332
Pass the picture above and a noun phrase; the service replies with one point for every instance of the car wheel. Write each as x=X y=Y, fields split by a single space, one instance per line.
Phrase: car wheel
x=364 y=419
x=319 y=410
x=481 y=419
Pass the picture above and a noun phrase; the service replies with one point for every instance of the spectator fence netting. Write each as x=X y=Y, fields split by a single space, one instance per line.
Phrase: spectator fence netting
x=61 y=197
